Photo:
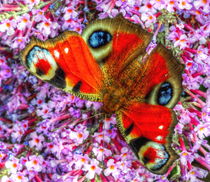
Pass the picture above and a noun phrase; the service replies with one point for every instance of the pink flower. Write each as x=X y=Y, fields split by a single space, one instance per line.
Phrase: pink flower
x=38 y=14
x=19 y=177
x=17 y=133
x=72 y=24
x=196 y=173
x=13 y=165
x=5 y=72
x=171 y=5
x=147 y=8
x=203 y=5
x=70 y=13
x=8 y=26
x=202 y=130
x=181 y=41
x=101 y=136
x=2 y=155
x=81 y=160
x=24 y=21
x=186 y=157
x=19 y=42
x=6 y=179
x=185 y=4
x=36 y=141
x=124 y=165
x=32 y=2
x=111 y=169
x=158 y=4
x=92 y=169
x=79 y=136
x=148 y=18
x=35 y=163
x=125 y=154
x=101 y=152
x=52 y=148
x=46 y=27
x=44 y=110
x=94 y=105
x=108 y=122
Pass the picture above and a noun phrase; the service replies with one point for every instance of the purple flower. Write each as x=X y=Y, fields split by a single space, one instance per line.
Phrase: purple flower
x=19 y=177
x=19 y=42
x=92 y=169
x=36 y=141
x=46 y=27
x=13 y=165
x=101 y=137
x=101 y=152
x=148 y=8
x=181 y=41
x=158 y=4
x=185 y=4
x=195 y=173
x=81 y=161
x=148 y=18
x=8 y=27
x=6 y=179
x=171 y=5
x=186 y=157
x=79 y=136
x=35 y=163
x=202 y=130
x=203 y=5
x=112 y=169
x=24 y=21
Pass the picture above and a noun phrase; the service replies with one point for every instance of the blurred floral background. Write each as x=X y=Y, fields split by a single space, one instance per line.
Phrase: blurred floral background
x=47 y=135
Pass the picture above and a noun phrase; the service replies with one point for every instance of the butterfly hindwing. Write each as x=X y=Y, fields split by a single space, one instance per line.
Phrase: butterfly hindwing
x=147 y=130
x=147 y=122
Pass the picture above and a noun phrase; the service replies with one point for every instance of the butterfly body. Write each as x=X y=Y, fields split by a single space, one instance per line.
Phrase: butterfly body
x=127 y=85
x=107 y=64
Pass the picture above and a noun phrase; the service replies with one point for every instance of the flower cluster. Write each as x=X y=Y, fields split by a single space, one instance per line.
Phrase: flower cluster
x=49 y=135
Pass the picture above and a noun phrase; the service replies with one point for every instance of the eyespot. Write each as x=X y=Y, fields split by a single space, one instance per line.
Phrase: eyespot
x=165 y=93
x=153 y=155
x=41 y=63
x=99 y=38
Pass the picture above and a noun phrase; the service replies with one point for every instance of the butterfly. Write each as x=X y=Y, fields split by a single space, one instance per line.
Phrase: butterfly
x=105 y=63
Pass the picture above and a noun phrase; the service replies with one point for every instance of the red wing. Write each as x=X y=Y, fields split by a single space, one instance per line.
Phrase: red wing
x=67 y=63
x=160 y=66
x=146 y=128
x=120 y=41
x=150 y=121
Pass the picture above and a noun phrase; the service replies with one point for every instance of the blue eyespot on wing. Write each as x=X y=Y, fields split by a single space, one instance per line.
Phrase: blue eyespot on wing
x=99 y=38
x=165 y=93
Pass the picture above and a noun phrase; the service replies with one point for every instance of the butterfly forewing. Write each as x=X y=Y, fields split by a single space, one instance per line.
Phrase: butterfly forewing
x=72 y=65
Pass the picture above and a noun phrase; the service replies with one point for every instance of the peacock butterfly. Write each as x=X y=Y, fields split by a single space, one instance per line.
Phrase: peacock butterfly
x=106 y=64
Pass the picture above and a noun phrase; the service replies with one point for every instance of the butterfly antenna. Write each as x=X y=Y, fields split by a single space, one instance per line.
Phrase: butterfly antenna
x=81 y=120
x=86 y=11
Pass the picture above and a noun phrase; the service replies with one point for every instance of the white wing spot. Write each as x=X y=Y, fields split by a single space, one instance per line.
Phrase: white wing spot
x=159 y=137
x=66 y=50
x=57 y=54
x=160 y=127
